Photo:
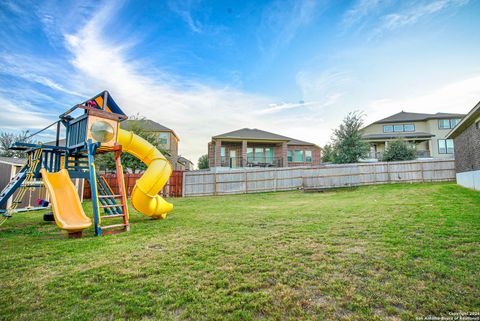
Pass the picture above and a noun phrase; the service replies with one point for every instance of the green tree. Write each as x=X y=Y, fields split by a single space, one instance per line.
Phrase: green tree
x=328 y=154
x=106 y=162
x=7 y=139
x=347 y=140
x=399 y=150
x=203 y=162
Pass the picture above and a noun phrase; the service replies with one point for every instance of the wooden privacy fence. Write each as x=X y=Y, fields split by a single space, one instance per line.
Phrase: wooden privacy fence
x=202 y=183
x=173 y=188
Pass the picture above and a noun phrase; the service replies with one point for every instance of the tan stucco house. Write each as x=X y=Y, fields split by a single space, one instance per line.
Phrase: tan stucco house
x=427 y=132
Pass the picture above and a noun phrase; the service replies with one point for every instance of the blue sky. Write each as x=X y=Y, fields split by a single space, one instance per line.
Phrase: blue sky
x=203 y=68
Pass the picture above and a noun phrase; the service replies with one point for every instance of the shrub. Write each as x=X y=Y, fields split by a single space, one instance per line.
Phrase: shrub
x=203 y=162
x=399 y=150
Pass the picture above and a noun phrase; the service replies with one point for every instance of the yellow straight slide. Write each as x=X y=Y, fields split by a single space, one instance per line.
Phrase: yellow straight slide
x=145 y=198
x=67 y=209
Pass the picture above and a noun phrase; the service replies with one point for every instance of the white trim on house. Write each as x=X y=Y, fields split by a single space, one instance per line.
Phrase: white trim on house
x=469 y=179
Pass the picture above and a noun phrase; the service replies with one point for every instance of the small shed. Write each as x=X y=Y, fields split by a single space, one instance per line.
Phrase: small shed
x=9 y=167
x=466 y=136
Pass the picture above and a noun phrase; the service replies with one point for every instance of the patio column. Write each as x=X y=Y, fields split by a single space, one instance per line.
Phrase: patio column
x=218 y=153
x=284 y=154
x=244 y=153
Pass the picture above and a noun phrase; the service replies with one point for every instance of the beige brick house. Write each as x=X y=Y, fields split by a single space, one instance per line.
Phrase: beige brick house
x=427 y=132
x=257 y=148
x=168 y=139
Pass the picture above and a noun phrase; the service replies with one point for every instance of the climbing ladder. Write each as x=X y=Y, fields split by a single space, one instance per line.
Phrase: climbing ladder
x=109 y=206
x=113 y=205
x=22 y=181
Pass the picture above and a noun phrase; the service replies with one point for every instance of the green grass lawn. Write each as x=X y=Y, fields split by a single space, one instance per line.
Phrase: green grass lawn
x=380 y=252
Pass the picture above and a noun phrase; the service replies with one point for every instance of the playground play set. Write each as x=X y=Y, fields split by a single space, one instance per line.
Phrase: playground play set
x=96 y=130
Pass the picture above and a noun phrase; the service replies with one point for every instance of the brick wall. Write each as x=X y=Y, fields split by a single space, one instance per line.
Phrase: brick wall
x=316 y=155
x=211 y=154
x=173 y=145
x=467 y=150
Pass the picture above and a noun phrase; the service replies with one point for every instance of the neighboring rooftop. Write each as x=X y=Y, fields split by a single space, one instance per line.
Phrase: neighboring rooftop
x=13 y=160
x=404 y=116
x=257 y=134
x=146 y=124
x=61 y=142
x=183 y=160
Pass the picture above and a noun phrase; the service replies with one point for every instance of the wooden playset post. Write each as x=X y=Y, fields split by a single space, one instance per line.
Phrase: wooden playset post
x=121 y=184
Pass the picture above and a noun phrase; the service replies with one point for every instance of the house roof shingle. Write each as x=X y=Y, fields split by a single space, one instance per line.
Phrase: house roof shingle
x=147 y=125
x=248 y=133
x=407 y=116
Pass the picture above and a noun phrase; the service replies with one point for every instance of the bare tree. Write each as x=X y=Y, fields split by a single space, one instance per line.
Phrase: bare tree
x=7 y=139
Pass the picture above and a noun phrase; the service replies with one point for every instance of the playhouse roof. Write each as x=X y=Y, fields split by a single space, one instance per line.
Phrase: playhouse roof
x=111 y=104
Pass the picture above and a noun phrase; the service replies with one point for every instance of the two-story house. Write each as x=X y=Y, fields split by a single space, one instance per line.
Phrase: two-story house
x=168 y=140
x=257 y=148
x=426 y=132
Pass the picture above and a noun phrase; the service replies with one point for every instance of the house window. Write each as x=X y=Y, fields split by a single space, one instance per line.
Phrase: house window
x=249 y=154
x=308 y=156
x=409 y=127
x=398 y=128
x=454 y=122
x=298 y=156
x=289 y=156
x=443 y=123
x=445 y=146
x=164 y=139
x=448 y=123
x=268 y=154
x=259 y=154
x=222 y=151
x=450 y=146
x=387 y=128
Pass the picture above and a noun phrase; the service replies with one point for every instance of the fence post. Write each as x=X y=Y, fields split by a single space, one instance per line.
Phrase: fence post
x=215 y=183
x=421 y=172
x=184 y=179
x=388 y=173
x=275 y=180
x=246 y=180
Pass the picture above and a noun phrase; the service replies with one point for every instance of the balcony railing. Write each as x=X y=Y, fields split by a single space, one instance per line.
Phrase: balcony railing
x=379 y=155
x=423 y=154
x=265 y=162
x=233 y=162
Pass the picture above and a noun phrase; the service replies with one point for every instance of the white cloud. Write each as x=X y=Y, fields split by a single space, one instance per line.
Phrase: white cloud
x=19 y=115
x=456 y=97
x=360 y=10
x=32 y=70
x=413 y=14
x=184 y=10
x=281 y=21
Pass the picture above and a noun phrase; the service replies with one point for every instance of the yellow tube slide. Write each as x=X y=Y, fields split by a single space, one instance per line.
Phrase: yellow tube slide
x=145 y=198
x=67 y=209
